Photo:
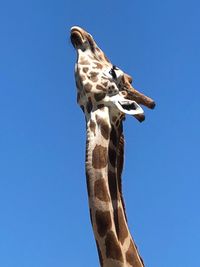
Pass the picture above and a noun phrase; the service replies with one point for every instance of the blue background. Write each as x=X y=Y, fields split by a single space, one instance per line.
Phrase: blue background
x=44 y=219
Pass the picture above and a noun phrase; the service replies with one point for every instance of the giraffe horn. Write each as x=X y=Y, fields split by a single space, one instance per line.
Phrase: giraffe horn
x=135 y=95
x=140 y=98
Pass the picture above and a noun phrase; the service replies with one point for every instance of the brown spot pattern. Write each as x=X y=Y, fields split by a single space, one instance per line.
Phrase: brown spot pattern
x=87 y=87
x=103 y=222
x=99 y=157
x=123 y=232
x=101 y=190
x=113 y=249
x=93 y=76
x=100 y=57
x=104 y=127
x=99 y=87
x=99 y=97
x=105 y=84
x=92 y=126
x=85 y=69
x=83 y=78
x=84 y=62
x=132 y=257
x=98 y=65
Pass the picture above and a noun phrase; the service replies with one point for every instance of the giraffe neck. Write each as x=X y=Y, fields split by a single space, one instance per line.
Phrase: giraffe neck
x=104 y=154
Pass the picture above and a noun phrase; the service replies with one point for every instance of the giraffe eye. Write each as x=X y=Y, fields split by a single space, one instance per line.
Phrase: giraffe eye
x=113 y=73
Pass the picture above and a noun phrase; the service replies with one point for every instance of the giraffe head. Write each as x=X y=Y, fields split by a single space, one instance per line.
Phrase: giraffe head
x=100 y=83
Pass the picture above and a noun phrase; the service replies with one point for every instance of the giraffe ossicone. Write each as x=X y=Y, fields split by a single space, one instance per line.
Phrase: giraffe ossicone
x=105 y=94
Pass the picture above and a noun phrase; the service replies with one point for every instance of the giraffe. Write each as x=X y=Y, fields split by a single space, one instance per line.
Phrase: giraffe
x=105 y=94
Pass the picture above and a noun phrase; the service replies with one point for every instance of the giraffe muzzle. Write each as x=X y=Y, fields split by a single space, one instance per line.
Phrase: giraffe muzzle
x=76 y=37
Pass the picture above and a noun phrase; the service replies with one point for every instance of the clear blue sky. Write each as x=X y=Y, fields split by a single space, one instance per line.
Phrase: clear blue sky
x=44 y=220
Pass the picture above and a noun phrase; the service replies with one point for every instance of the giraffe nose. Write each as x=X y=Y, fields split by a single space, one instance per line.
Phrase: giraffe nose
x=76 y=36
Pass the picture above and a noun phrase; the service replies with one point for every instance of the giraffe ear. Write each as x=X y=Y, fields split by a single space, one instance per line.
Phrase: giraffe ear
x=128 y=78
x=127 y=106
